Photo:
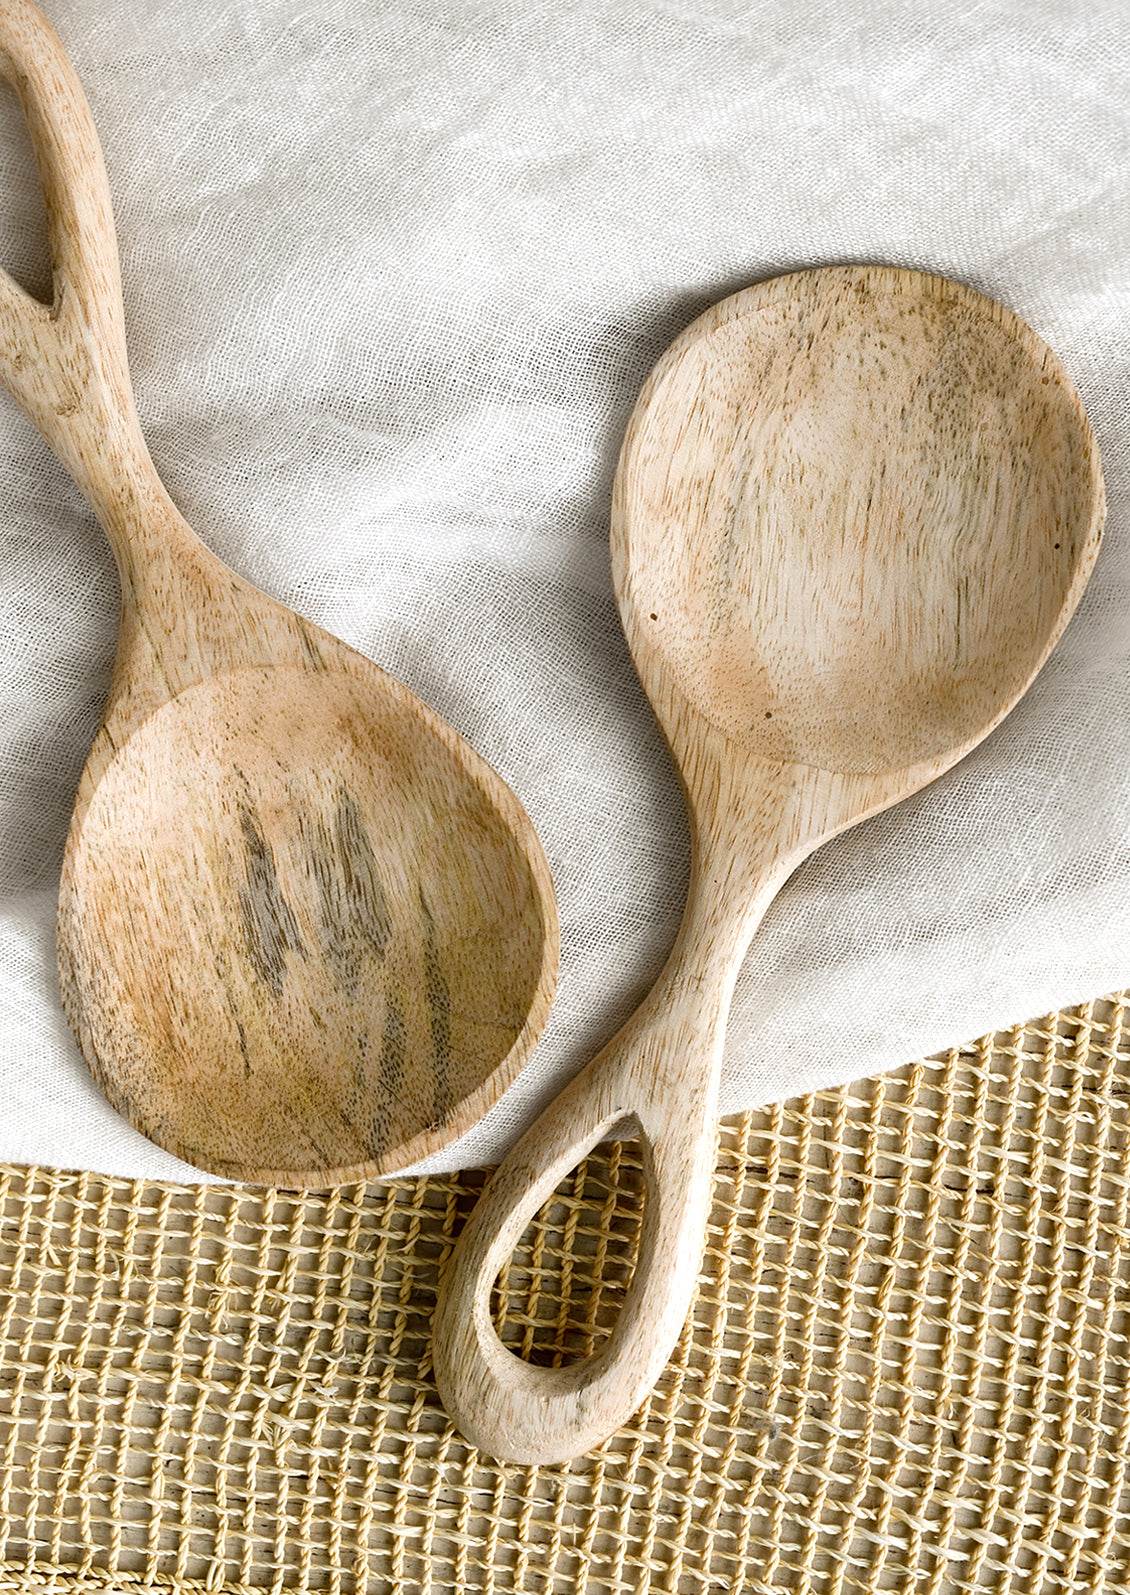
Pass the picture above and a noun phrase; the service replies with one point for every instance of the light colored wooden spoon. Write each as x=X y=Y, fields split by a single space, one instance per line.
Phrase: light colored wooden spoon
x=305 y=934
x=854 y=510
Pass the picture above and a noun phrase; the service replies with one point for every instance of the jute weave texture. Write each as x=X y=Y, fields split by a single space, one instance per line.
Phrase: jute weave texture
x=905 y=1369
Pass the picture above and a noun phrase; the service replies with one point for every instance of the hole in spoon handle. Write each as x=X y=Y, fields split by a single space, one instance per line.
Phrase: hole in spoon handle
x=53 y=358
x=521 y=1413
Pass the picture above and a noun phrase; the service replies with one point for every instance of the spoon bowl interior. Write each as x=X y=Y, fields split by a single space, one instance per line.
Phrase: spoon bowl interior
x=301 y=938
x=854 y=510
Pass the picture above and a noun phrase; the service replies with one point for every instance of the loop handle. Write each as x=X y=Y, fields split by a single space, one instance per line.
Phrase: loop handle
x=56 y=359
x=660 y=1073
x=522 y=1413
x=752 y=823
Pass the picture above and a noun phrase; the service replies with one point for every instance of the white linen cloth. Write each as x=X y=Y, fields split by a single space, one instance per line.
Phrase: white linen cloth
x=393 y=275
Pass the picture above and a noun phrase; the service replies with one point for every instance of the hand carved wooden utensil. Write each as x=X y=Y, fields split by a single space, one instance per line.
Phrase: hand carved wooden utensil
x=854 y=510
x=305 y=933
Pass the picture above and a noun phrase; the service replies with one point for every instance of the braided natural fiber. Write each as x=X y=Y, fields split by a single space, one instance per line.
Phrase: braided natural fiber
x=905 y=1370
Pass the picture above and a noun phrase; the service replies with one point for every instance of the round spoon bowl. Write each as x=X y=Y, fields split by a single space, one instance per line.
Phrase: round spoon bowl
x=868 y=528
x=299 y=935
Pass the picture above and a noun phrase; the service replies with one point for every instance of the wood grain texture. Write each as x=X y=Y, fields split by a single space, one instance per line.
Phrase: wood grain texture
x=855 y=508
x=305 y=933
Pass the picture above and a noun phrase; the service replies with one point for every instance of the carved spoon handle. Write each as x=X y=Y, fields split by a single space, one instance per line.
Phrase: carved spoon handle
x=660 y=1073
x=65 y=363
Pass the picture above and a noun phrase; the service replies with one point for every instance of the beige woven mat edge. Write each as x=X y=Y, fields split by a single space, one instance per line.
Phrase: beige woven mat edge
x=905 y=1369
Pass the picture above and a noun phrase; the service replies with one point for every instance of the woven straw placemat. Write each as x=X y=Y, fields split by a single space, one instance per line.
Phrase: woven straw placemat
x=905 y=1368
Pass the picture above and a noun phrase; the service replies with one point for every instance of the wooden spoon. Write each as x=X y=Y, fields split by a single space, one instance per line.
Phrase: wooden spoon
x=854 y=510
x=305 y=934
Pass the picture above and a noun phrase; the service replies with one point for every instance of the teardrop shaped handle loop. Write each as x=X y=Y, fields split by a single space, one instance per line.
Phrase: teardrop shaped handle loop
x=522 y=1413
x=52 y=358
x=660 y=1073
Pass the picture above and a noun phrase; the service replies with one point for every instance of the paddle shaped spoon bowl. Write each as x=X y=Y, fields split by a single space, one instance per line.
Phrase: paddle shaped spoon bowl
x=854 y=510
x=305 y=934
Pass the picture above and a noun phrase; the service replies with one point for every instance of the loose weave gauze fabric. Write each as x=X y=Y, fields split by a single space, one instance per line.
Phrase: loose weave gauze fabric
x=393 y=275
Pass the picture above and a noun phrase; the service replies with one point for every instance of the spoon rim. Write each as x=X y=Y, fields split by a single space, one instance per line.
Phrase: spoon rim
x=672 y=704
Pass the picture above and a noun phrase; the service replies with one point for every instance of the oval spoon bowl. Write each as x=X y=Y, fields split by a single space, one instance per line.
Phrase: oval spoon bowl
x=854 y=509
x=298 y=934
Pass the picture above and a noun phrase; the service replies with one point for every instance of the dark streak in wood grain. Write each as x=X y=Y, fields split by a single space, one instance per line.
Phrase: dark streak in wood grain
x=245 y=1053
x=354 y=920
x=310 y=648
x=438 y=994
x=270 y=929
x=394 y=1051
